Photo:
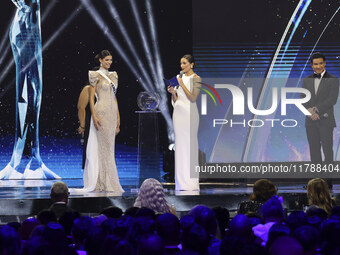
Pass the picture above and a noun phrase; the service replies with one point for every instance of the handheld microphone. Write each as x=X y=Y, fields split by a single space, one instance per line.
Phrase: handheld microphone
x=181 y=74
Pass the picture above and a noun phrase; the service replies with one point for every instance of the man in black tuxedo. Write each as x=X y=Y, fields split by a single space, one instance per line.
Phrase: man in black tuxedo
x=59 y=195
x=324 y=89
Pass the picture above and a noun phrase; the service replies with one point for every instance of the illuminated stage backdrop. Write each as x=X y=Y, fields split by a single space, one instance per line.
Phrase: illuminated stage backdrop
x=261 y=44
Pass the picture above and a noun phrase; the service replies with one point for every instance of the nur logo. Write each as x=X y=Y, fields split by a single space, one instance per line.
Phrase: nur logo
x=204 y=97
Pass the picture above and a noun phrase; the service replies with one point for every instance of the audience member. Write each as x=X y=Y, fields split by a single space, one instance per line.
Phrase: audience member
x=206 y=218
x=59 y=196
x=296 y=219
x=67 y=221
x=285 y=245
x=131 y=211
x=9 y=241
x=222 y=216
x=150 y=244
x=46 y=216
x=262 y=191
x=195 y=240
x=240 y=226
x=27 y=228
x=309 y=238
x=276 y=231
x=81 y=230
x=151 y=195
x=271 y=213
x=318 y=195
x=112 y=212
x=168 y=228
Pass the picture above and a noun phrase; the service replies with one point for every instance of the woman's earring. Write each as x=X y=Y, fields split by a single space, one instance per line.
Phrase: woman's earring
x=101 y=64
x=192 y=66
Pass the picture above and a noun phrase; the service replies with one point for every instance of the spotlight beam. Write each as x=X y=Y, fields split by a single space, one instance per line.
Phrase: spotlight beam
x=59 y=30
x=159 y=68
x=152 y=26
x=6 y=52
x=3 y=42
x=123 y=30
x=142 y=34
x=102 y=25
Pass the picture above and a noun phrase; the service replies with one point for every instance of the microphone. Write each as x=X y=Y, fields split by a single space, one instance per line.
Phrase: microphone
x=180 y=76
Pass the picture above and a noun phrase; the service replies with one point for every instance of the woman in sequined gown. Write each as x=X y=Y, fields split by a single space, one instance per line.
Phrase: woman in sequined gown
x=100 y=173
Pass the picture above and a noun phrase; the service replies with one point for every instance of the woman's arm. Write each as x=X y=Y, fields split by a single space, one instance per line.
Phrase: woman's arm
x=192 y=96
x=118 y=118
x=83 y=100
x=174 y=95
x=96 y=121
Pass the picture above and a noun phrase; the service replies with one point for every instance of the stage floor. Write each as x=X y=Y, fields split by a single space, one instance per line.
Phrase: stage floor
x=40 y=189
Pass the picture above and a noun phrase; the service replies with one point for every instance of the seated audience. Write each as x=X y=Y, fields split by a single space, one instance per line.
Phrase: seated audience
x=195 y=240
x=206 y=218
x=151 y=195
x=285 y=245
x=318 y=195
x=309 y=238
x=81 y=229
x=27 y=228
x=240 y=226
x=168 y=228
x=296 y=219
x=150 y=244
x=112 y=212
x=151 y=228
x=59 y=196
x=271 y=213
x=222 y=216
x=262 y=191
x=46 y=216
x=9 y=241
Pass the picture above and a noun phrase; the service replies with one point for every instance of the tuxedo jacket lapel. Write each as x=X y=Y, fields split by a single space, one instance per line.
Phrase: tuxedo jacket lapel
x=312 y=89
x=322 y=85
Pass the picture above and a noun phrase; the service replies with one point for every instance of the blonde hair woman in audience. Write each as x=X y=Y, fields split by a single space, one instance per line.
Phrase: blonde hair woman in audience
x=318 y=195
x=151 y=195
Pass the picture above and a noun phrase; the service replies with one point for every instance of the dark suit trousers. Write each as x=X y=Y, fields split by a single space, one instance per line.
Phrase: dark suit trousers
x=320 y=136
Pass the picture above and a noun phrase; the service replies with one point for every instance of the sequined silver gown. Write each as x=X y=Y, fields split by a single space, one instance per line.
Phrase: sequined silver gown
x=100 y=173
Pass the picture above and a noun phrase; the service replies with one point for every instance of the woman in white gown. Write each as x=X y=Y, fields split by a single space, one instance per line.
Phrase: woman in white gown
x=186 y=120
x=100 y=173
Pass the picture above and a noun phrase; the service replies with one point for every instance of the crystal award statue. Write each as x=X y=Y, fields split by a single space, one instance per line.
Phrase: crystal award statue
x=25 y=39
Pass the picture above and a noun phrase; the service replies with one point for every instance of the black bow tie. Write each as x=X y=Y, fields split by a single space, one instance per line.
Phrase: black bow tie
x=316 y=75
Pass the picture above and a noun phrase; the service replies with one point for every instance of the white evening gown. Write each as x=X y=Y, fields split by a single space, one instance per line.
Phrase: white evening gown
x=186 y=120
x=100 y=173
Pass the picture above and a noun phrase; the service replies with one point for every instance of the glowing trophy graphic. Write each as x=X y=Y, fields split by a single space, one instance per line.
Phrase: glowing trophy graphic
x=25 y=38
